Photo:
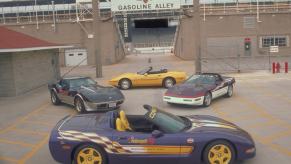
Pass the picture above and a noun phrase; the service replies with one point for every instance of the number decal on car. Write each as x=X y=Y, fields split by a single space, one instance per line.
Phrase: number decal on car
x=153 y=113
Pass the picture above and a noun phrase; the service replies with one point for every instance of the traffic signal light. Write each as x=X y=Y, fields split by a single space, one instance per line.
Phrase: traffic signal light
x=247 y=44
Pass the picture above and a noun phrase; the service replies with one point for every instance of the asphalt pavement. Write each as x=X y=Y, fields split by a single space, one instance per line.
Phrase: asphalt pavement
x=260 y=104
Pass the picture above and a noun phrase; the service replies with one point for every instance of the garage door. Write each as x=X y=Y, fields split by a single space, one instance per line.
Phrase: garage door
x=75 y=57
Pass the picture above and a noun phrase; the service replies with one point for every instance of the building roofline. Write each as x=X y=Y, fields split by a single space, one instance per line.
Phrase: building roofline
x=33 y=48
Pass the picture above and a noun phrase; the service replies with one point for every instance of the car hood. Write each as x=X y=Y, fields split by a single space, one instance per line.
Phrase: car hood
x=99 y=93
x=203 y=122
x=189 y=90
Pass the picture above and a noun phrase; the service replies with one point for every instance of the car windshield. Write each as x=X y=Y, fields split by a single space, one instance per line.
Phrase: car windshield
x=201 y=79
x=82 y=82
x=167 y=122
x=144 y=71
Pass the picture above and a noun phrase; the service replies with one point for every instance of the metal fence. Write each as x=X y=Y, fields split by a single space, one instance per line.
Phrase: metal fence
x=229 y=59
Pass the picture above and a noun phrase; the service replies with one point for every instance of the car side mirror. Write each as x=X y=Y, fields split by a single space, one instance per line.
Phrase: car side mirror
x=157 y=134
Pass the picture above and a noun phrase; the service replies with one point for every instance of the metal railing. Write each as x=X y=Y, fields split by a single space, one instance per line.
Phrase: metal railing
x=72 y=12
x=159 y=44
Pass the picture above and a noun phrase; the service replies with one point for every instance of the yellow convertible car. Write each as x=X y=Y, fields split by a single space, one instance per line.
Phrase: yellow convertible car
x=148 y=77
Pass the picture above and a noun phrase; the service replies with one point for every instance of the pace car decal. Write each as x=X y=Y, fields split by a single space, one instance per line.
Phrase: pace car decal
x=116 y=148
x=149 y=141
x=210 y=123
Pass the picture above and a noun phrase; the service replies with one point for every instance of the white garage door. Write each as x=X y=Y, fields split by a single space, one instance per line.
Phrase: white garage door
x=75 y=57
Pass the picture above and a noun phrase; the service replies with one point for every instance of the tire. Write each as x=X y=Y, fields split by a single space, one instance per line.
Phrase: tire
x=125 y=84
x=89 y=154
x=229 y=91
x=79 y=105
x=207 y=99
x=55 y=99
x=169 y=82
x=219 y=152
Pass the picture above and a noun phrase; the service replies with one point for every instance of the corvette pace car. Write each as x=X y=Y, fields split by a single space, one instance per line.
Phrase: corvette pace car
x=85 y=94
x=148 y=77
x=156 y=137
x=200 y=89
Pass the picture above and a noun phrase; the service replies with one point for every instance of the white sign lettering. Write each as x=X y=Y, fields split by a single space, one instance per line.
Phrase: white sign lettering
x=139 y=5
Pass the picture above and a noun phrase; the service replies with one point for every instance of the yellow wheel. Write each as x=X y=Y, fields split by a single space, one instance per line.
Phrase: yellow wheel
x=219 y=152
x=89 y=155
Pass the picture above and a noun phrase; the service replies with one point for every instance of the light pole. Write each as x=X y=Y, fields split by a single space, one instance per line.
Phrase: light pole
x=36 y=16
x=258 y=12
x=197 y=35
x=97 y=41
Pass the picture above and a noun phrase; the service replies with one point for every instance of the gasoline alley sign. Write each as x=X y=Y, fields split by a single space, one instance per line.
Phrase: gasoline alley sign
x=139 y=5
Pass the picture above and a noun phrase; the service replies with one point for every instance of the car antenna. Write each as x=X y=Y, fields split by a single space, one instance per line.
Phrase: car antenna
x=73 y=68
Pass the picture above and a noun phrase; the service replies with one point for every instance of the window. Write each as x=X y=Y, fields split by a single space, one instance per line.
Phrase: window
x=281 y=41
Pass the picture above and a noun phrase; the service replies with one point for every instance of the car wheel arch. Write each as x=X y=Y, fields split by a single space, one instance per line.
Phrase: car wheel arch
x=219 y=139
x=169 y=77
x=90 y=144
x=54 y=90
x=78 y=96
x=125 y=78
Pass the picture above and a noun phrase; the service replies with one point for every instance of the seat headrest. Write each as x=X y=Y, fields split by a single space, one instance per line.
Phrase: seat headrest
x=121 y=114
x=119 y=125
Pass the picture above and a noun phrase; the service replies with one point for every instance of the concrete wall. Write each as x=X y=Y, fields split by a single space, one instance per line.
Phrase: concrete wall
x=21 y=72
x=217 y=31
x=185 y=43
x=34 y=69
x=6 y=75
x=223 y=35
x=77 y=34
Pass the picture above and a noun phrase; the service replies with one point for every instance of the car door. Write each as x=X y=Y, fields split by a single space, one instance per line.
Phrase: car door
x=220 y=89
x=150 y=80
x=141 y=147
x=64 y=91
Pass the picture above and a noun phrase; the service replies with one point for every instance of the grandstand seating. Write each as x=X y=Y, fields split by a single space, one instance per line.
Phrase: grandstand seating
x=153 y=37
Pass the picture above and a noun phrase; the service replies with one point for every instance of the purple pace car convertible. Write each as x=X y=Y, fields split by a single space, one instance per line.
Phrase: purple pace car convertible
x=154 y=138
x=200 y=89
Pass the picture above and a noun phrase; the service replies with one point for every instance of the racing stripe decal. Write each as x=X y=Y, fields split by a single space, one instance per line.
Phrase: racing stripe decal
x=159 y=150
x=210 y=123
x=116 y=148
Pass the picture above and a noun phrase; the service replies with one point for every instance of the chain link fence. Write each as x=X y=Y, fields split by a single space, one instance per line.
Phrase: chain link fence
x=224 y=59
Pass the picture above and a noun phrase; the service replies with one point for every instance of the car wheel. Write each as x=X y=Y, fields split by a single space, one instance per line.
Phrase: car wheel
x=207 y=99
x=54 y=98
x=229 y=91
x=89 y=154
x=219 y=152
x=169 y=82
x=79 y=105
x=125 y=84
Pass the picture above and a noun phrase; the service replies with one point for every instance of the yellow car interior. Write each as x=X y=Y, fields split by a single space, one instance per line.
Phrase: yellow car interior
x=122 y=123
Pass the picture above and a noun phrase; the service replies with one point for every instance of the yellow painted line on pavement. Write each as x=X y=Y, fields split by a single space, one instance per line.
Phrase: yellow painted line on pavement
x=286 y=133
x=34 y=150
x=23 y=144
x=21 y=119
x=39 y=123
x=28 y=132
x=278 y=148
x=8 y=159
